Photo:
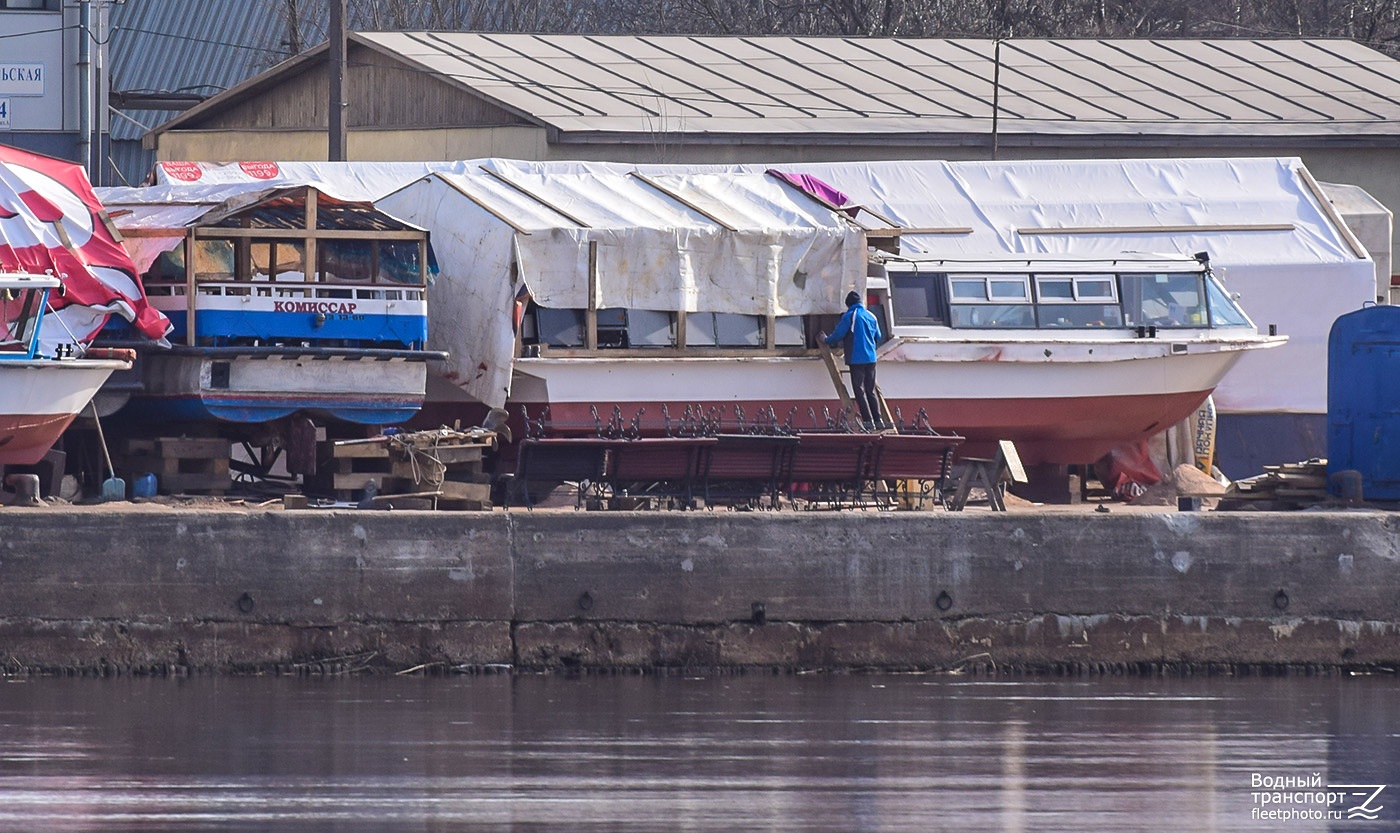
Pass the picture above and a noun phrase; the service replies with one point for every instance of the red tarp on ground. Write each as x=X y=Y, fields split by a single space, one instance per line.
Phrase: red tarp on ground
x=52 y=222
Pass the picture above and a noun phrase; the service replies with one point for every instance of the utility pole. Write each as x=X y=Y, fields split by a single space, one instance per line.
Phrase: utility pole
x=338 y=145
x=85 y=84
x=996 y=94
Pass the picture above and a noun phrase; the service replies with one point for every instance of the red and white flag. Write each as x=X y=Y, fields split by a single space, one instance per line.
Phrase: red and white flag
x=51 y=222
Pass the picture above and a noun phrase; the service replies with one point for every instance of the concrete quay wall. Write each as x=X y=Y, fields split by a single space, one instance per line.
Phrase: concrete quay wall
x=184 y=590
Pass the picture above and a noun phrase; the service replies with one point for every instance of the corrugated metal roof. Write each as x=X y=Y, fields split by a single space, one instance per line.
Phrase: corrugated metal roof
x=195 y=46
x=591 y=85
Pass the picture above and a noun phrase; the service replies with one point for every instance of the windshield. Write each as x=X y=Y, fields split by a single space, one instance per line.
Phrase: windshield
x=1224 y=312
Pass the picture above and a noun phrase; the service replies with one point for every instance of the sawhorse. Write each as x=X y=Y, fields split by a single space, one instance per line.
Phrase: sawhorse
x=989 y=474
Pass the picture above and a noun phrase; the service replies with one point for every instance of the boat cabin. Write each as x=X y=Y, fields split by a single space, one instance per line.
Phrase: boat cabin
x=291 y=267
x=930 y=297
x=1145 y=294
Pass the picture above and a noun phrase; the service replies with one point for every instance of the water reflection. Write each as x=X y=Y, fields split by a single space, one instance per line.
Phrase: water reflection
x=623 y=753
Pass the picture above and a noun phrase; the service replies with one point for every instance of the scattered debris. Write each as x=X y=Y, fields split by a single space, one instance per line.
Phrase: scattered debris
x=1288 y=486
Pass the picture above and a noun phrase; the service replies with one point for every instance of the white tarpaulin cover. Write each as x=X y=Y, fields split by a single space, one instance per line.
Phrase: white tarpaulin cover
x=1268 y=235
x=740 y=243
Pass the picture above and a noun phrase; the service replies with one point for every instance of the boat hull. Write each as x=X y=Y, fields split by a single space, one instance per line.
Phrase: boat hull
x=1060 y=402
x=40 y=398
x=255 y=386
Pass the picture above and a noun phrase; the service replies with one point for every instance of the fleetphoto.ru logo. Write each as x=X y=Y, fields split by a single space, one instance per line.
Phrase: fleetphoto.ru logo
x=1306 y=798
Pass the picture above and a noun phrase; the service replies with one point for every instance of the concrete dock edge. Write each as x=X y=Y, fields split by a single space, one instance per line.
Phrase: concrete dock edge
x=164 y=591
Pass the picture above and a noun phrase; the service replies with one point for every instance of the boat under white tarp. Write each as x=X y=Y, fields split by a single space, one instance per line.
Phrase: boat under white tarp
x=1272 y=236
x=726 y=243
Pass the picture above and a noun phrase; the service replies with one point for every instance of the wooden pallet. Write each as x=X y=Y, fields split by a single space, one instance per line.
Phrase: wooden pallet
x=182 y=465
x=442 y=467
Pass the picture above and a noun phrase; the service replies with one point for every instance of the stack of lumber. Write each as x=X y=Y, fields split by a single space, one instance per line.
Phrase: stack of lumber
x=1288 y=486
x=438 y=469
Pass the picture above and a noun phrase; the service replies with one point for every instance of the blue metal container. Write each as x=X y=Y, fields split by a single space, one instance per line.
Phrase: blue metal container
x=1363 y=401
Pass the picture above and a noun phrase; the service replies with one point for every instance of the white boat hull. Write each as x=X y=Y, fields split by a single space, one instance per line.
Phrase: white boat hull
x=1061 y=401
x=38 y=400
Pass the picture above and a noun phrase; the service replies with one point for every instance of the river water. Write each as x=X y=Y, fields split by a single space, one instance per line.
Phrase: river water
x=727 y=753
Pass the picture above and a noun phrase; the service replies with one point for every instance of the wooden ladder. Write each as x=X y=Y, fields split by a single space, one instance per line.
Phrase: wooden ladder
x=842 y=390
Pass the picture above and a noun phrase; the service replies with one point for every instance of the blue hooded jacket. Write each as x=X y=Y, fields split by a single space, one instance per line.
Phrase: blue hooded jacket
x=864 y=328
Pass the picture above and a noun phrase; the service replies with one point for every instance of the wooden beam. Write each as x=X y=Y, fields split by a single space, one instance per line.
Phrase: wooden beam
x=896 y=232
x=1331 y=212
x=189 y=288
x=537 y=198
x=308 y=263
x=215 y=233
x=590 y=334
x=480 y=203
x=683 y=201
x=1184 y=229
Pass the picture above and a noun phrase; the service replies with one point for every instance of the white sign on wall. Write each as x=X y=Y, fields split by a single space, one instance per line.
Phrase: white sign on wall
x=21 y=79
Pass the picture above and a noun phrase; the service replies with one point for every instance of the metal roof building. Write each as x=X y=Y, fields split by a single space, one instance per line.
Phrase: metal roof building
x=442 y=96
x=168 y=55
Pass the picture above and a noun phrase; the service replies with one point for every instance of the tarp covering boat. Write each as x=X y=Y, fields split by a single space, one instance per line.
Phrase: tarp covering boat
x=726 y=243
x=1270 y=234
x=51 y=222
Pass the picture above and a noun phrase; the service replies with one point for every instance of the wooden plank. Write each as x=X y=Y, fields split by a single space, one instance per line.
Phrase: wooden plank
x=897 y=232
x=465 y=491
x=835 y=372
x=683 y=201
x=536 y=197
x=1171 y=229
x=452 y=504
x=300 y=234
x=354 y=481
x=193 y=448
x=484 y=206
x=456 y=454
x=420 y=469
x=347 y=452
x=1331 y=212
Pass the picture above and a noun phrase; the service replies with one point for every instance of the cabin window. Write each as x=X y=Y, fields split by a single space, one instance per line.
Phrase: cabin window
x=788 y=331
x=556 y=327
x=1224 y=312
x=618 y=327
x=991 y=301
x=1077 y=301
x=278 y=261
x=723 y=329
x=918 y=299
x=650 y=328
x=18 y=308
x=213 y=261
x=1164 y=300
x=345 y=260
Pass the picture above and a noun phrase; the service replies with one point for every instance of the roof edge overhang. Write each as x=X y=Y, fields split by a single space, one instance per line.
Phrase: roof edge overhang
x=1005 y=140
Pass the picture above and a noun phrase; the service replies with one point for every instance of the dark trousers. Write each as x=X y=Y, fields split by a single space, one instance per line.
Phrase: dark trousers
x=863 y=386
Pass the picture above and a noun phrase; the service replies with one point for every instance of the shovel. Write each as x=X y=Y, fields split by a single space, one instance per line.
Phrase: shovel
x=113 y=488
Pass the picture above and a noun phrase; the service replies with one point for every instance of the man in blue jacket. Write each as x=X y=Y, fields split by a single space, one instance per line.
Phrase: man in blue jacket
x=863 y=328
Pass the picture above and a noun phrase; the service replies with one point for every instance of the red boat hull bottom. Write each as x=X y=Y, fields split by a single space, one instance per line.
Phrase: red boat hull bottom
x=1066 y=431
x=26 y=438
